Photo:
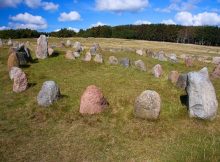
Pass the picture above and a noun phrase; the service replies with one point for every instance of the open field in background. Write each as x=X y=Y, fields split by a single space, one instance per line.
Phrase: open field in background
x=59 y=133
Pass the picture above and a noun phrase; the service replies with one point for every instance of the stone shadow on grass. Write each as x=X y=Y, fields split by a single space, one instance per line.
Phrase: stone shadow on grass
x=55 y=54
x=184 y=100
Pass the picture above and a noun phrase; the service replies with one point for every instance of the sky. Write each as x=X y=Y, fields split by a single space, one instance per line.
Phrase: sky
x=52 y=15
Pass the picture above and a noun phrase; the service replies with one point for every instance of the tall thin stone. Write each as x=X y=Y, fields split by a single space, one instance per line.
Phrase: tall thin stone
x=42 y=47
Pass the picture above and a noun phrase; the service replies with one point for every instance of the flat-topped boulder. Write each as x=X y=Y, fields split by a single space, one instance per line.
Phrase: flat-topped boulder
x=92 y=101
x=202 y=101
x=42 y=47
x=147 y=105
x=48 y=94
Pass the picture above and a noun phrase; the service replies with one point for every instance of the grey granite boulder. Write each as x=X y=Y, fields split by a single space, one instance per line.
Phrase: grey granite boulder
x=140 y=65
x=202 y=100
x=125 y=62
x=147 y=105
x=48 y=94
x=42 y=47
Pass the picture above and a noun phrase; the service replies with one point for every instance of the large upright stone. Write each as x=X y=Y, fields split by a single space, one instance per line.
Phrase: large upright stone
x=1 y=43
x=125 y=62
x=92 y=101
x=12 y=60
x=87 y=57
x=201 y=95
x=14 y=71
x=78 y=47
x=20 y=80
x=147 y=105
x=157 y=71
x=23 y=54
x=182 y=81
x=48 y=94
x=140 y=65
x=216 y=72
x=42 y=47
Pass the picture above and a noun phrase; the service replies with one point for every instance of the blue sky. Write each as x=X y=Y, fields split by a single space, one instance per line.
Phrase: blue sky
x=51 y=15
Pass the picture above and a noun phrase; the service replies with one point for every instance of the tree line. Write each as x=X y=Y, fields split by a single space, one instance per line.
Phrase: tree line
x=203 y=35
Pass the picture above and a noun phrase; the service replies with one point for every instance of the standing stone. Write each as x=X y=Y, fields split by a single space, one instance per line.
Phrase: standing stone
x=1 y=43
x=125 y=62
x=113 y=60
x=68 y=43
x=69 y=55
x=42 y=47
x=216 y=60
x=92 y=101
x=172 y=57
x=141 y=52
x=216 y=72
x=173 y=77
x=147 y=105
x=140 y=65
x=78 y=47
x=201 y=95
x=50 y=51
x=98 y=58
x=182 y=81
x=93 y=51
x=150 y=53
x=88 y=57
x=160 y=56
x=188 y=61
x=14 y=71
x=76 y=54
x=157 y=71
x=10 y=43
x=20 y=81
x=48 y=94
x=12 y=60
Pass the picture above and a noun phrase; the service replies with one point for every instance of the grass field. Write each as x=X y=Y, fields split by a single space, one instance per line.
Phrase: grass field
x=59 y=133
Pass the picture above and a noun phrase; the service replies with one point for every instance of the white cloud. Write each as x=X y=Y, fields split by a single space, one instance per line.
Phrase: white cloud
x=72 y=16
x=9 y=3
x=4 y=27
x=50 y=6
x=179 y=5
x=121 y=5
x=97 y=24
x=33 y=3
x=26 y=20
x=168 y=22
x=69 y=28
x=205 y=18
x=139 y=22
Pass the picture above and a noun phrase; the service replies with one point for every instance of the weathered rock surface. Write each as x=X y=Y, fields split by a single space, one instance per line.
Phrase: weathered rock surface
x=173 y=77
x=157 y=71
x=160 y=56
x=42 y=47
x=140 y=65
x=69 y=55
x=50 y=51
x=201 y=95
x=147 y=105
x=188 y=61
x=12 y=60
x=23 y=55
x=172 y=57
x=92 y=101
x=125 y=62
x=13 y=72
x=113 y=60
x=182 y=81
x=98 y=58
x=88 y=57
x=216 y=72
x=141 y=52
x=216 y=60
x=48 y=94
x=20 y=81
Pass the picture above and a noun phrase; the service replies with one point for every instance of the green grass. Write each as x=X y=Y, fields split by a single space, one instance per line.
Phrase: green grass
x=59 y=133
